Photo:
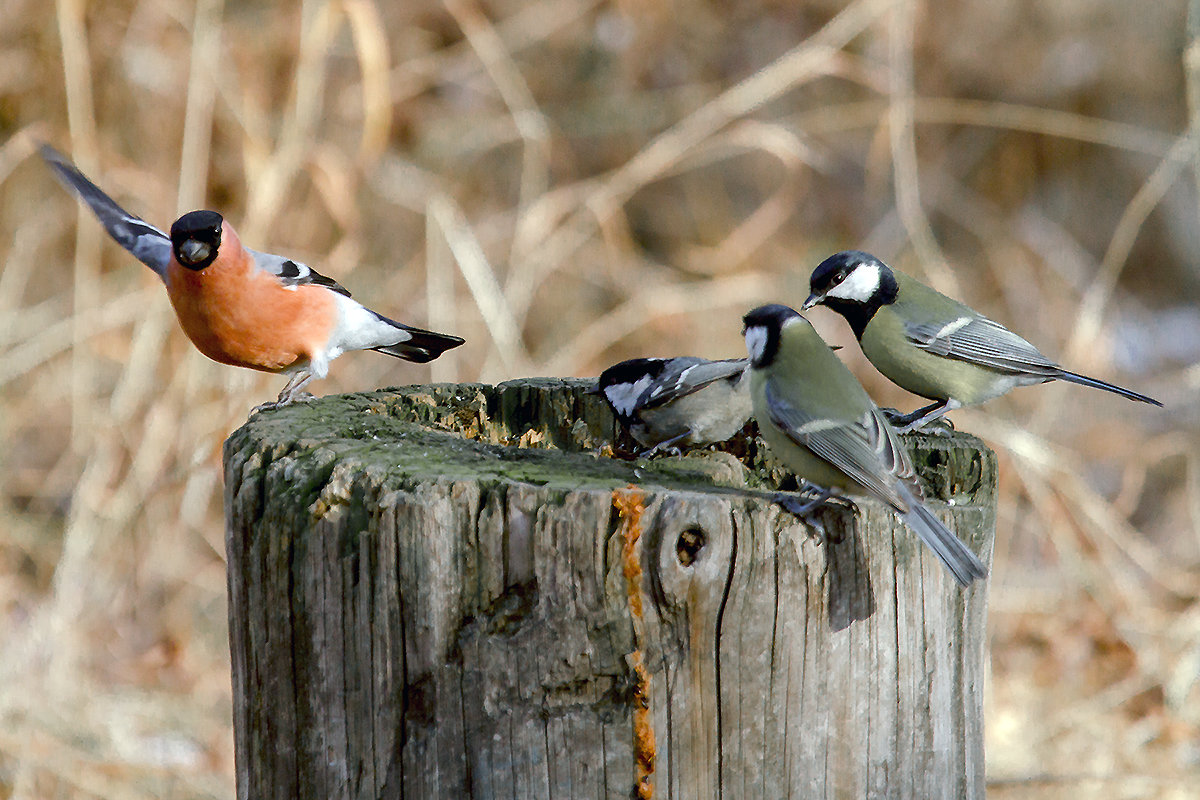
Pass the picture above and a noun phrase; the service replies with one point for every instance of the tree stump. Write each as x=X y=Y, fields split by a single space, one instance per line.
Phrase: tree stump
x=447 y=592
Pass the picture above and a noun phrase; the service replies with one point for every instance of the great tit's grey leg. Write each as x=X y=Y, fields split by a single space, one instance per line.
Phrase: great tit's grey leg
x=816 y=527
x=831 y=498
x=903 y=422
x=923 y=417
x=666 y=445
x=803 y=508
x=809 y=510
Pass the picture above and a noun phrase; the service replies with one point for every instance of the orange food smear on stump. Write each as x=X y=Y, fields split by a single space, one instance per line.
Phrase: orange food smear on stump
x=630 y=505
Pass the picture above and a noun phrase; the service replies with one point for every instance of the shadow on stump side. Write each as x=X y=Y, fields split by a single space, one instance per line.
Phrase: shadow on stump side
x=428 y=599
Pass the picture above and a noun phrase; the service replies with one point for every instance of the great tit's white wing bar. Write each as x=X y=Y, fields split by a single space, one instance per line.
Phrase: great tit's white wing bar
x=979 y=340
x=867 y=450
x=686 y=378
x=292 y=273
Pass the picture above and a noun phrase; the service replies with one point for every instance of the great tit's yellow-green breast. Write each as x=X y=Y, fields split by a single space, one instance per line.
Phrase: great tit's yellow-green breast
x=887 y=344
x=804 y=373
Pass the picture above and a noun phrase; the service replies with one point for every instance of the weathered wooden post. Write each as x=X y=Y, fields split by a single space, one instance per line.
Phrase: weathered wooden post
x=444 y=592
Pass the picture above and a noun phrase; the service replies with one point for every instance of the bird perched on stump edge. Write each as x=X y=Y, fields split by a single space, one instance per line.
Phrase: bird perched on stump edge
x=930 y=344
x=246 y=308
x=818 y=420
x=667 y=402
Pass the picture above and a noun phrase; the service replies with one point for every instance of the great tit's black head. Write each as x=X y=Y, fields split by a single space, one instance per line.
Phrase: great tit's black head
x=622 y=385
x=851 y=277
x=762 y=327
x=195 y=238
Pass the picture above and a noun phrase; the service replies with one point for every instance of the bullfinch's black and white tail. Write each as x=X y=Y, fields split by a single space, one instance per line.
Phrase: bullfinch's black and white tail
x=422 y=347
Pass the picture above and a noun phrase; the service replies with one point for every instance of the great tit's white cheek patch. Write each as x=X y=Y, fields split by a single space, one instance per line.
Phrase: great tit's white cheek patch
x=756 y=342
x=624 y=396
x=860 y=285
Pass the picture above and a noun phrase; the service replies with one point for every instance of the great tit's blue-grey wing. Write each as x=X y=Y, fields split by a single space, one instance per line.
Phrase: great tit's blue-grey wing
x=147 y=243
x=979 y=340
x=686 y=375
x=293 y=273
x=869 y=451
x=865 y=449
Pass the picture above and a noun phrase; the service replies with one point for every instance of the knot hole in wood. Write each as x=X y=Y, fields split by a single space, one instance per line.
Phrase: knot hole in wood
x=689 y=544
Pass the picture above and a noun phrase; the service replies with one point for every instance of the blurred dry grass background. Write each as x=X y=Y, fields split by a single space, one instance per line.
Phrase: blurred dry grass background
x=567 y=183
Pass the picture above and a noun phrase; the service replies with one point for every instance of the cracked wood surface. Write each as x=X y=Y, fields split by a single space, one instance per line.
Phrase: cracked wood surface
x=427 y=600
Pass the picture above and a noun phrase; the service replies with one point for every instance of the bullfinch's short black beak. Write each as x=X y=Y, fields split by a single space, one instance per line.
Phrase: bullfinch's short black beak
x=193 y=251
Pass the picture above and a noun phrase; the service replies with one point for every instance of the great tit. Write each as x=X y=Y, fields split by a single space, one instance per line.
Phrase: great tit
x=928 y=343
x=818 y=420
x=667 y=402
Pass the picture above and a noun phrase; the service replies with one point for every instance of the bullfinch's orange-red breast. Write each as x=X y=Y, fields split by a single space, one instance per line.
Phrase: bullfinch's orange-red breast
x=251 y=309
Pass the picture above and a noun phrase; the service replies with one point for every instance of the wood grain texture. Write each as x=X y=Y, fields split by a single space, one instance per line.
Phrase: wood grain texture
x=427 y=600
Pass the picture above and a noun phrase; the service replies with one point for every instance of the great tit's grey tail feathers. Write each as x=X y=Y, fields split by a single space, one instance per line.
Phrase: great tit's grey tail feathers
x=424 y=345
x=964 y=565
x=1096 y=383
x=147 y=243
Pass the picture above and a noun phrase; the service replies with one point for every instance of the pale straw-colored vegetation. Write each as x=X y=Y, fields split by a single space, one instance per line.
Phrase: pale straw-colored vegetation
x=567 y=183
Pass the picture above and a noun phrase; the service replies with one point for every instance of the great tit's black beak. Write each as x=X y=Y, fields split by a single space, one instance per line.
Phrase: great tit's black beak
x=593 y=391
x=812 y=300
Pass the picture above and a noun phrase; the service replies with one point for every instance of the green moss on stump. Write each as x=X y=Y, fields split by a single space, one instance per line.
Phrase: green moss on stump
x=431 y=578
x=544 y=431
